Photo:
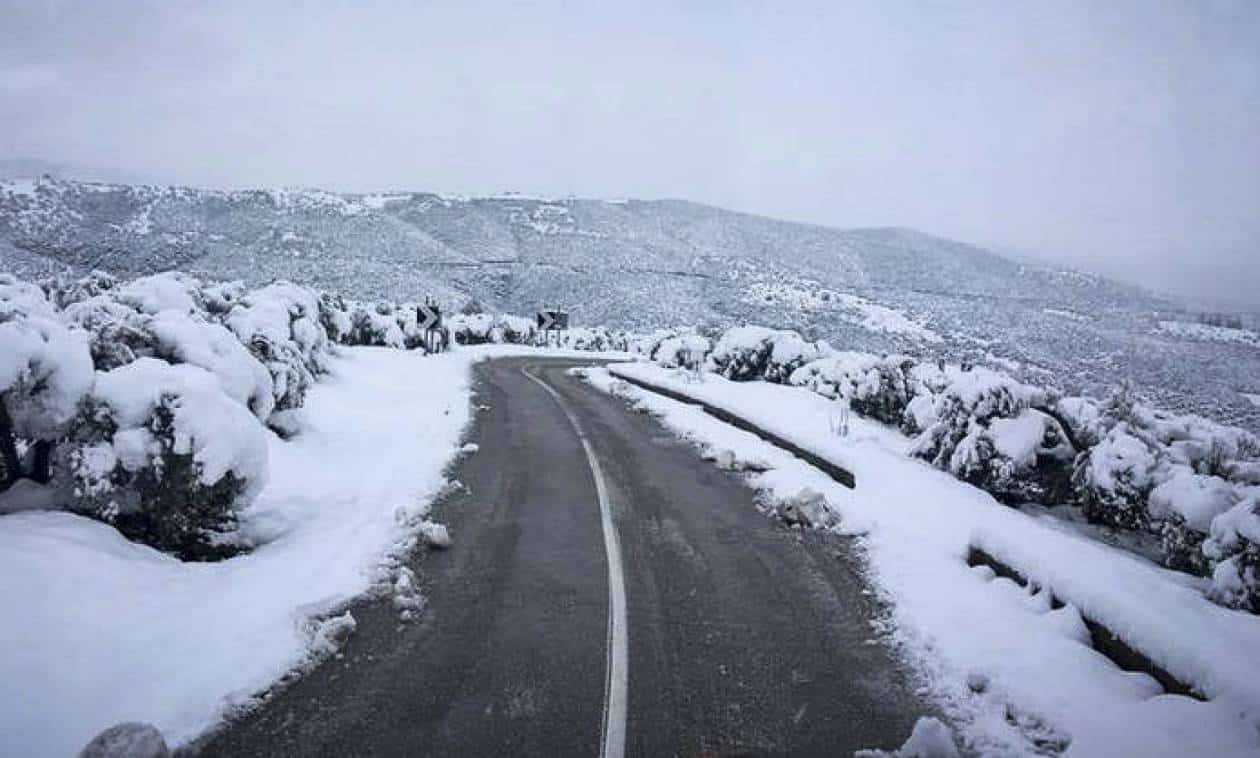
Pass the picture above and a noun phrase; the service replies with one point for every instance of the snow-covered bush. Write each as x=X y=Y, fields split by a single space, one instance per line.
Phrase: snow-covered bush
x=483 y=328
x=515 y=330
x=334 y=316
x=1185 y=504
x=180 y=338
x=875 y=387
x=45 y=369
x=169 y=290
x=753 y=352
x=988 y=429
x=1083 y=419
x=1153 y=469
x=593 y=339
x=281 y=326
x=220 y=298
x=64 y=291
x=685 y=350
x=1233 y=547
x=1114 y=478
x=160 y=452
x=473 y=328
x=117 y=333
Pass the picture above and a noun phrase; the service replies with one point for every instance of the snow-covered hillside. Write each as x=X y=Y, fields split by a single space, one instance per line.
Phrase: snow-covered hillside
x=640 y=265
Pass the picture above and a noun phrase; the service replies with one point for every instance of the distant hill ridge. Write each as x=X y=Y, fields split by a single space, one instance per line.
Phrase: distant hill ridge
x=644 y=264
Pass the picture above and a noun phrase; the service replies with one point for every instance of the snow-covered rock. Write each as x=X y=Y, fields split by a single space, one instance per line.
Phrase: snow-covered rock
x=130 y=739
x=930 y=738
x=808 y=508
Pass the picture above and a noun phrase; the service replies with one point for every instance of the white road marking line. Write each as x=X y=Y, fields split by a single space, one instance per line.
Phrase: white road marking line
x=613 y=735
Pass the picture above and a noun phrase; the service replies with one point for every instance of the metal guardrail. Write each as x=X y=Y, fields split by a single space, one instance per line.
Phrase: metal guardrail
x=835 y=471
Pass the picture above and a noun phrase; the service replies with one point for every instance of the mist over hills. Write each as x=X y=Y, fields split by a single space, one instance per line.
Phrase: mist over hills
x=644 y=264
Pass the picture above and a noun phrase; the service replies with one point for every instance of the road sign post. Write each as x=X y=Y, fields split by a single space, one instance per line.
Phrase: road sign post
x=552 y=320
x=429 y=321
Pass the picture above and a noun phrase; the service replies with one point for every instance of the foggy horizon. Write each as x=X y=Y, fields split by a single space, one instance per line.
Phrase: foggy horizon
x=1117 y=140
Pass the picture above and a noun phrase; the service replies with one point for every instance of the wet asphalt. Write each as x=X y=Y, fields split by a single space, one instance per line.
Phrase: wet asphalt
x=745 y=637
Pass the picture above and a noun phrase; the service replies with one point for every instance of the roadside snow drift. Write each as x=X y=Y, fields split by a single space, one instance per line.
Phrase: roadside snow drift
x=102 y=630
x=1017 y=674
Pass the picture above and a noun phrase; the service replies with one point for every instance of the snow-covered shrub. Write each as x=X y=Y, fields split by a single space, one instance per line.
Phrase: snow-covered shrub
x=1233 y=546
x=1114 y=478
x=160 y=452
x=374 y=328
x=45 y=369
x=472 y=328
x=180 y=338
x=281 y=326
x=334 y=316
x=117 y=333
x=753 y=352
x=1150 y=468
x=222 y=297
x=64 y=292
x=684 y=350
x=1083 y=419
x=1022 y=459
x=120 y=334
x=593 y=339
x=1184 y=505
x=875 y=387
x=169 y=290
x=483 y=328
x=988 y=429
x=514 y=330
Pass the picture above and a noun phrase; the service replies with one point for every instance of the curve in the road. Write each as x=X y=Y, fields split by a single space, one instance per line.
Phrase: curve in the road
x=741 y=636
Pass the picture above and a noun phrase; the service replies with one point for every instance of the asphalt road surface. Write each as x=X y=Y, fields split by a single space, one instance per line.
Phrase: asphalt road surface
x=738 y=635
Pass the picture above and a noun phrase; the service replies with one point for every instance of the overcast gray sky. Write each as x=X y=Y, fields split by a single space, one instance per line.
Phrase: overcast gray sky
x=1112 y=135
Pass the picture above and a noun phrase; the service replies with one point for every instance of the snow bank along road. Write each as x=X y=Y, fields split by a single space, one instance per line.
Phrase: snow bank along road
x=742 y=636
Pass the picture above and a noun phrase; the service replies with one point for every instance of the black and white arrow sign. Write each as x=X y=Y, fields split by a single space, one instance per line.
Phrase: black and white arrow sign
x=429 y=317
x=546 y=320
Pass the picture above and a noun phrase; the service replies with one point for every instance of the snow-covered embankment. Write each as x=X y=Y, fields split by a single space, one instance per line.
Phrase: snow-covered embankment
x=1011 y=669
x=104 y=630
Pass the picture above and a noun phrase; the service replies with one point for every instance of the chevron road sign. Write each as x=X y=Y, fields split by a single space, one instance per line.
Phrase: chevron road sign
x=552 y=320
x=429 y=317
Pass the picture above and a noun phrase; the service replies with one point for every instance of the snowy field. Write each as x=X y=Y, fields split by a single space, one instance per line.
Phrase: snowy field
x=106 y=630
x=1013 y=673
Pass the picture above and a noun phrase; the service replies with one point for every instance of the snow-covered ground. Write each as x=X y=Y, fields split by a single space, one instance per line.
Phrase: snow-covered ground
x=1011 y=671
x=104 y=630
x=1209 y=333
